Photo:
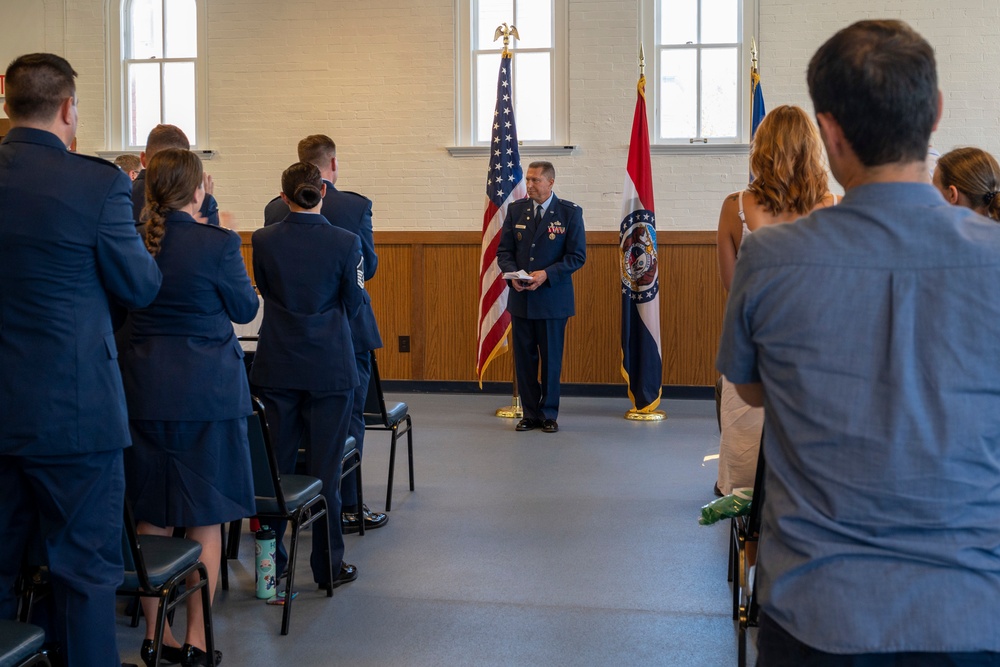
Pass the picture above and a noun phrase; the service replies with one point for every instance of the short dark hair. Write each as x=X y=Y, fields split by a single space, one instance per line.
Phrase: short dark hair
x=317 y=149
x=878 y=79
x=303 y=184
x=36 y=86
x=128 y=162
x=547 y=169
x=165 y=136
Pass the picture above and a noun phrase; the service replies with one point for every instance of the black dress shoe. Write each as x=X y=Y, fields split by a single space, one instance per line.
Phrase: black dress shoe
x=347 y=574
x=527 y=425
x=349 y=520
x=549 y=426
x=168 y=654
x=195 y=657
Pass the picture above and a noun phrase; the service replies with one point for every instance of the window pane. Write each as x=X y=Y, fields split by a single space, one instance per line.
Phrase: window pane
x=678 y=94
x=143 y=107
x=487 y=69
x=178 y=98
x=718 y=92
x=182 y=29
x=719 y=20
x=491 y=13
x=534 y=24
x=679 y=22
x=146 y=29
x=533 y=96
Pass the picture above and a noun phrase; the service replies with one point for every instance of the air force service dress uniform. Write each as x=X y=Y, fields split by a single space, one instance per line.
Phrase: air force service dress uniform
x=186 y=385
x=351 y=212
x=68 y=248
x=556 y=244
x=310 y=274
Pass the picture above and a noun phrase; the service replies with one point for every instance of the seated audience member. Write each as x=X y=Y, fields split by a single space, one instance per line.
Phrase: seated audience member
x=789 y=181
x=160 y=138
x=68 y=248
x=130 y=164
x=970 y=177
x=867 y=331
x=186 y=387
x=311 y=276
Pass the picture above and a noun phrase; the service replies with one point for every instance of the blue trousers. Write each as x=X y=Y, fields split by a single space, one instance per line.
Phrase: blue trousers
x=349 y=486
x=538 y=341
x=318 y=422
x=73 y=506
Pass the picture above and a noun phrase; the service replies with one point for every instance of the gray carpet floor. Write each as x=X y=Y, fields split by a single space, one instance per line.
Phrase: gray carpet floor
x=575 y=548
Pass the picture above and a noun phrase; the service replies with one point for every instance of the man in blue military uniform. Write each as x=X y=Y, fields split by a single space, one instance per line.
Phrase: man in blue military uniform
x=68 y=249
x=351 y=212
x=544 y=237
x=160 y=138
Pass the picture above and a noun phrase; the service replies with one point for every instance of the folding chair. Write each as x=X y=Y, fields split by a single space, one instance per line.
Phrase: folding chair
x=297 y=499
x=156 y=566
x=21 y=645
x=745 y=530
x=393 y=417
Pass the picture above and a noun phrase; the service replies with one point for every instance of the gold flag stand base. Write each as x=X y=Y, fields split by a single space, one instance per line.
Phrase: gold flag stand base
x=511 y=411
x=638 y=416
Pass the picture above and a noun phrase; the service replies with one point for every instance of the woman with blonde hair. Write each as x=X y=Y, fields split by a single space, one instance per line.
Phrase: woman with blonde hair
x=186 y=387
x=789 y=181
x=970 y=177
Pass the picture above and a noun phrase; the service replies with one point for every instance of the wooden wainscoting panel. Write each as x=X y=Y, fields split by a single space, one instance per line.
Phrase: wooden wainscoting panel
x=593 y=335
x=391 y=291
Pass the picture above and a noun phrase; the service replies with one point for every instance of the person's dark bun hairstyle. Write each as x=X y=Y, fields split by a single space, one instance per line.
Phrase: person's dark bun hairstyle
x=303 y=184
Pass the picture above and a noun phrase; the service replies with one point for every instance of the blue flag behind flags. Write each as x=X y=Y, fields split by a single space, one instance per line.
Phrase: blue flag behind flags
x=757 y=94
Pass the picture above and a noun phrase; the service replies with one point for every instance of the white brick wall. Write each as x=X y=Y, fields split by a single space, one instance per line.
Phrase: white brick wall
x=379 y=78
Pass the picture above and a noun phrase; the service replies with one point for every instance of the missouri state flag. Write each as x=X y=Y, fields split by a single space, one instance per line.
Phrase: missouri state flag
x=642 y=361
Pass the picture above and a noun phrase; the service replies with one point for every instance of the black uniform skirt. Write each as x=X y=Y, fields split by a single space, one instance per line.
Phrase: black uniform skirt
x=188 y=473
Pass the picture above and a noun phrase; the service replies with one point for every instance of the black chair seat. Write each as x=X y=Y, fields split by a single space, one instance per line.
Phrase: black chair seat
x=164 y=557
x=395 y=413
x=18 y=641
x=298 y=490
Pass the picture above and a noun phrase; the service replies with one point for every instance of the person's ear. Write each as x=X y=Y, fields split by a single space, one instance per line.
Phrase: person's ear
x=285 y=198
x=322 y=190
x=951 y=195
x=940 y=110
x=142 y=159
x=66 y=111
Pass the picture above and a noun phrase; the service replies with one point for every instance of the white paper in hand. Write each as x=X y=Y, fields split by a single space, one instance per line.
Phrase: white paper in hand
x=520 y=274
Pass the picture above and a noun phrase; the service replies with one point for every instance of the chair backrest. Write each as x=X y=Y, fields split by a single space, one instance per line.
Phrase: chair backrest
x=266 y=479
x=132 y=550
x=375 y=400
x=757 y=506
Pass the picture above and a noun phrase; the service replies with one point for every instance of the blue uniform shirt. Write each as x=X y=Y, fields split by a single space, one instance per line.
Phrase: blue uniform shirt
x=874 y=327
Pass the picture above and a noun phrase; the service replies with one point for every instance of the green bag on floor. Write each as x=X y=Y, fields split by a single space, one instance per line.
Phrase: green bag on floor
x=735 y=504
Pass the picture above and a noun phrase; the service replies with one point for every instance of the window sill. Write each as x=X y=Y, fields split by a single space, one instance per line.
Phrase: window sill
x=204 y=154
x=533 y=149
x=699 y=149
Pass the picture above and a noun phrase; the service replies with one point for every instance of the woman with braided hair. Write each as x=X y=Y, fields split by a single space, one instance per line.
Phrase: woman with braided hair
x=970 y=177
x=186 y=386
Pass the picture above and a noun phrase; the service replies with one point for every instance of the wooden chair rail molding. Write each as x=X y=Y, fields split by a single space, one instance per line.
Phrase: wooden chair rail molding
x=427 y=288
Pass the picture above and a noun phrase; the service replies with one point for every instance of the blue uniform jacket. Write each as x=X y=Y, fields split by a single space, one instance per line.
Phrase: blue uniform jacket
x=209 y=207
x=182 y=361
x=67 y=245
x=558 y=246
x=309 y=273
x=352 y=212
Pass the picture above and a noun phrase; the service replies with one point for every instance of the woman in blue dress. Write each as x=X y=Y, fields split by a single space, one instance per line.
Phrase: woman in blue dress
x=186 y=387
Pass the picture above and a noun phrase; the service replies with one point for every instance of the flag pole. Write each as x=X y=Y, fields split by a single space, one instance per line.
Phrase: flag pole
x=514 y=410
x=649 y=413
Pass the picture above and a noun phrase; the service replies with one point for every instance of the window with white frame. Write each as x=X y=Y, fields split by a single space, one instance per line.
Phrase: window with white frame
x=161 y=73
x=539 y=72
x=702 y=70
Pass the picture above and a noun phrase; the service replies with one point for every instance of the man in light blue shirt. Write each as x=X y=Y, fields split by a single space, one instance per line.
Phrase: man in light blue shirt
x=870 y=333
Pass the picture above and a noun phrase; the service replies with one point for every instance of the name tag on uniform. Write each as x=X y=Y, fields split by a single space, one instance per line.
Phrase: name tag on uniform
x=520 y=226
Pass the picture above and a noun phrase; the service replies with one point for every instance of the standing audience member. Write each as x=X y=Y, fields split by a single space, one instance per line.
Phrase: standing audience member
x=867 y=330
x=970 y=177
x=786 y=159
x=351 y=212
x=160 y=138
x=186 y=386
x=543 y=236
x=68 y=248
x=311 y=275
x=130 y=164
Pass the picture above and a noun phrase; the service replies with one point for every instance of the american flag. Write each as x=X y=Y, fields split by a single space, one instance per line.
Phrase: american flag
x=504 y=184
